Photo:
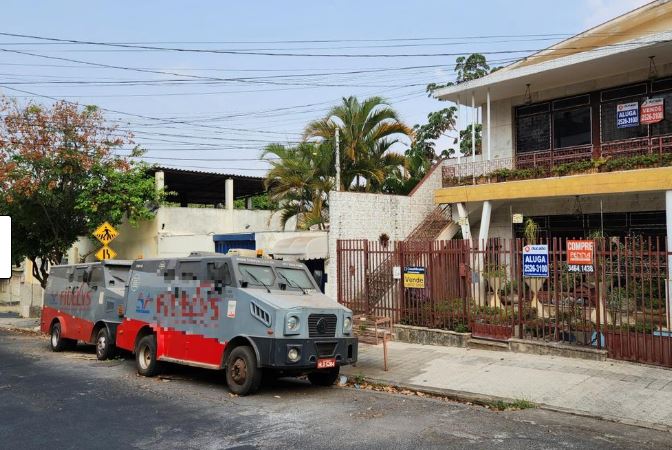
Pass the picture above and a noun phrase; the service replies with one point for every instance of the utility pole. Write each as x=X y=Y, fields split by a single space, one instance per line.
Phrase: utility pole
x=338 y=158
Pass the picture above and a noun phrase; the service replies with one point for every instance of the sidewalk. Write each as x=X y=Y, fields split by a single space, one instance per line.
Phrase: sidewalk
x=14 y=321
x=612 y=390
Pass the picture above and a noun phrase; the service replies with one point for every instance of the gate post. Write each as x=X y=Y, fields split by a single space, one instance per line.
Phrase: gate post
x=366 y=277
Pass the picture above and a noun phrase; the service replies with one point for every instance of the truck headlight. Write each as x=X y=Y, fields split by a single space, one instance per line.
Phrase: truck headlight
x=293 y=354
x=293 y=323
x=347 y=325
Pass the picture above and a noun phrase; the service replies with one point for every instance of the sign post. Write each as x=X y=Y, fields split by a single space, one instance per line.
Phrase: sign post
x=105 y=233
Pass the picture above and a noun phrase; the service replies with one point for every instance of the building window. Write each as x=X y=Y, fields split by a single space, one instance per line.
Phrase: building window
x=572 y=127
x=533 y=128
x=608 y=126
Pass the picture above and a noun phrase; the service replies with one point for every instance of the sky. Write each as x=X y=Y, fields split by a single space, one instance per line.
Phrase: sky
x=197 y=102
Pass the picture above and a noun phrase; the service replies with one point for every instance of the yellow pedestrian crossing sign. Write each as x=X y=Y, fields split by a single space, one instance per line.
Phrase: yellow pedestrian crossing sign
x=105 y=252
x=105 y=233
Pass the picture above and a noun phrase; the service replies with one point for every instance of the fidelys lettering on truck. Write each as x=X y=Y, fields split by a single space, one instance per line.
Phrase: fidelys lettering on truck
x=82 y=303
x=244 y=315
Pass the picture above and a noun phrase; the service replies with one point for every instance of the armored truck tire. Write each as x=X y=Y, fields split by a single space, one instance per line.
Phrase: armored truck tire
x=57 y=342
x=243 y=377
x=324 y=377
x=104 y=347
x=145 y=357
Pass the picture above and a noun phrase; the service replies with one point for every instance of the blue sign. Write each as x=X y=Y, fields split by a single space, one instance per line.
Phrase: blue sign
x=535 y=261
x=627 y=115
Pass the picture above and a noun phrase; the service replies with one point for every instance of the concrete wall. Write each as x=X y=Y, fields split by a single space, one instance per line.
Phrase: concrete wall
x=356 y=215
x=21 y=293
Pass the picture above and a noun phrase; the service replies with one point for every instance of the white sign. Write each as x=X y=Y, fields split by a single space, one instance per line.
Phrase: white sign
x=231 y=309
x=517 y=218
x=5 y=247
x=535 y=261
x=396 y=272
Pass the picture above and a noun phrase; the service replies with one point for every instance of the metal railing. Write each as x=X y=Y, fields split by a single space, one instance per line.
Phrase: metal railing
x=618 y=303
x=472 y=172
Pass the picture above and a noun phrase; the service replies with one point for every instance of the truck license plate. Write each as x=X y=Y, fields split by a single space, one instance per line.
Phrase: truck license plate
x=327 y=363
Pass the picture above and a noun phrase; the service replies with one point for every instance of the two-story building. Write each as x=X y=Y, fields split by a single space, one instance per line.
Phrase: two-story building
x=577 y=136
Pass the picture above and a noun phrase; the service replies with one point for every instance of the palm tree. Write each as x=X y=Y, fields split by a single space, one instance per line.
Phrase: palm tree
x=367 y=131
x=299 y=180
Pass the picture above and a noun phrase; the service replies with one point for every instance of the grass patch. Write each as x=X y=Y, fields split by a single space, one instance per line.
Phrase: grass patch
x=515 y=405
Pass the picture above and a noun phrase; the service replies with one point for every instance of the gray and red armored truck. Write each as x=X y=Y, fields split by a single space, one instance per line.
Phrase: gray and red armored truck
x=244 y=315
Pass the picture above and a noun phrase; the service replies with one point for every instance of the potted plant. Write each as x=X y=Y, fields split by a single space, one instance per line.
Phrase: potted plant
x=531 y=232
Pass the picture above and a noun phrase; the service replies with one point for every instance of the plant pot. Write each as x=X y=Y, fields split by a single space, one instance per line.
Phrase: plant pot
x=495 y=284
x=535 y=285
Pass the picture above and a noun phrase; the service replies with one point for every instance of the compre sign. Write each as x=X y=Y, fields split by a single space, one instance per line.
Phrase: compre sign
x=580 y=255
x=535 y=261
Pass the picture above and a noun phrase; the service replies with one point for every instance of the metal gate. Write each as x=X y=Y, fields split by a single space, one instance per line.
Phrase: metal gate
x=619 y=302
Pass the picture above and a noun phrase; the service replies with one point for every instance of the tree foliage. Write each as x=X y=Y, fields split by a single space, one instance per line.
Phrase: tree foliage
x=422 y=154
x=466 y=138
x=467 y=68
x=368 y=130
x=60 y=178
x=299 y=181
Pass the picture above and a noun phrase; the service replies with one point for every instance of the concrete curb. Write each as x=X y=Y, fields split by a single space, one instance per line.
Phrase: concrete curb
x=487 y=400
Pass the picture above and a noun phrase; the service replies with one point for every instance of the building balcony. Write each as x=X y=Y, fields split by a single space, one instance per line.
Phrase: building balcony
x=609 y=157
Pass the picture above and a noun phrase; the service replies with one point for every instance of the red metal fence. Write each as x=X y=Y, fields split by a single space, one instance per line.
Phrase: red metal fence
x=618 y=303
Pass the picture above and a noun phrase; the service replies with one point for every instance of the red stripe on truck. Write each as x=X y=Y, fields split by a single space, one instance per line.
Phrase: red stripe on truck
x=71 y=327
x=173 y=344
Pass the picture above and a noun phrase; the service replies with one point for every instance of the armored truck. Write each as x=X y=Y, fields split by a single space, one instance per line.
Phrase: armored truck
x=248 y=316
x=83 y=302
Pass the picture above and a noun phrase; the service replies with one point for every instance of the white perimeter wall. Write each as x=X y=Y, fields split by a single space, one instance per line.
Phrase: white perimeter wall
x=356 y=215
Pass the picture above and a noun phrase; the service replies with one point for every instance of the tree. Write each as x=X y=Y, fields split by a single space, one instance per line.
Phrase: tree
x=465 y=140
x=299 y=181
x=368 y=130
x=59 y=179
x=422 y=155
x=467 y=68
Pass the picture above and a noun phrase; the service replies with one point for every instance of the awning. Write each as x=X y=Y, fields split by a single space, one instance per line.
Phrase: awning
x=301 y=247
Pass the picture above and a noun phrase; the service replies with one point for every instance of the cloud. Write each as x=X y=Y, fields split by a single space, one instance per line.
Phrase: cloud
x=600 y=11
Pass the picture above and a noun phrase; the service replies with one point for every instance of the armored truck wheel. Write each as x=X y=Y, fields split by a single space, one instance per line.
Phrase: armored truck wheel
x=242 y=374
x=104 y=347
x=145 y=357
x=58 y=342
x=324 y=377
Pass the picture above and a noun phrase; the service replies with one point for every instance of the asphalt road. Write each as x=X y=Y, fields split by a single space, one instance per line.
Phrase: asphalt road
x=71 y=400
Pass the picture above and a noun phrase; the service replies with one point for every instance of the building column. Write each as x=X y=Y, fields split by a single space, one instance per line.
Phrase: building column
x=159 y=180
x=248 y=203
x=668 y=219
x=228 y=193
x=464 y=221
x=488 y=123
x=474 y=115
x=483 y=233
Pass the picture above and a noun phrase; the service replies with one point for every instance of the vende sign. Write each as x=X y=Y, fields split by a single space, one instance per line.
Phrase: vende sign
x=580 y=252
x=652 y=111
x=627 y=115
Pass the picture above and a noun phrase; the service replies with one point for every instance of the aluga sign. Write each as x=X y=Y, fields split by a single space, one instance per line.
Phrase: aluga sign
x=243 y=315
x=535 y=261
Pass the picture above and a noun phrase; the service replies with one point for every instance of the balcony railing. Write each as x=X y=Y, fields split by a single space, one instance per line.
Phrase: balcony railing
x=473 y=172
